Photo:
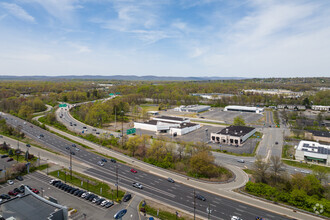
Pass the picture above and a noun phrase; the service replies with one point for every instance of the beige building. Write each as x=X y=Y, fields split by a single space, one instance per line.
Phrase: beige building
x=233 y=135
x=323 y=136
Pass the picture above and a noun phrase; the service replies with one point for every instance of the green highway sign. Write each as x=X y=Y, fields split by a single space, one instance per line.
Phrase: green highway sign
x=131 y=131
x=62 y=105
x=117 y=93
x=111 y=94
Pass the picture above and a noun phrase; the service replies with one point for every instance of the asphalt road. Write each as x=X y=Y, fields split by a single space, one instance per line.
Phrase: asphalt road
x=176 y=194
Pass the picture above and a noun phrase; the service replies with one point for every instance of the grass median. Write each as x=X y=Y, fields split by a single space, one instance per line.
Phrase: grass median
x=90 y=184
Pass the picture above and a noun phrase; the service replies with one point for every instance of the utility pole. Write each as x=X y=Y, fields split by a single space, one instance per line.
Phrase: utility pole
x=47 y=166
x=117 y=180
x=122 y=128
x=71 y=164
x=194 y=205
x=115 y=117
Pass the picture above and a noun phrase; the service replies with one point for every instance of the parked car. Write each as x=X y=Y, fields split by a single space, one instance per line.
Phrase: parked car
x=84 y=127
x=133 y=171
x=80 y=193
x=85 y=194
x=236 y=218
x=95 y=199
x=170 y=180
x=4 y=196
x=127 y=197
x=12 y=193
x=22 y=188
x=113 y=160
x=98 y=202
x=200 y=197
x=10 y=182
x=10 y=159
x=35 y=191
x=241 y=161
x=104 y=202
x=93 y=129
x=92 y=197
x=137 y=185
x=108 y=204
x=20 y=178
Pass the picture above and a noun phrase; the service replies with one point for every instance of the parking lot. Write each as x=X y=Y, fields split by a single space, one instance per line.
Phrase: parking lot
x=84 y=207
x=228 y=116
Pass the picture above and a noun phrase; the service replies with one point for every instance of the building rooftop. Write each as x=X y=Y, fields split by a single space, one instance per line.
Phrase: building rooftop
x=237 y=107
x=186 y=125
x=313 y=147
x=320 y=133
x=26 y=207
x=170 y=118
x=236 y=130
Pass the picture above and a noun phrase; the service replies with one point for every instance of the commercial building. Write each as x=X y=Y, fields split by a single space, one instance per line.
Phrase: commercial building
x=233 y=135
x=292 y=107
x=283 y=92
x=323 y=136
x=32 y=207
x=192 y=108
x=243 y=109
x=321 y=108
x=212 y=96
x=313 y=152
x=167 y=124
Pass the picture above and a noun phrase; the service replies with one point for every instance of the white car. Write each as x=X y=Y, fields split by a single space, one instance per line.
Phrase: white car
x=100 y=163
x=138 y=185
x=10 y=182
x=104 y=202
x=51 y=181
x=236 y=218
x=85 y=194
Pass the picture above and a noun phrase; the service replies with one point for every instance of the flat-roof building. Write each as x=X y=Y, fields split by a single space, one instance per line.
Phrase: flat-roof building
x=321 y=108
x=243 y=109
x=211 y=96
x=192 y=108
x=313 y=152
x=32 y=207
x=168 y=124
x=233 y=135
x=323 y=136
x=292 y=107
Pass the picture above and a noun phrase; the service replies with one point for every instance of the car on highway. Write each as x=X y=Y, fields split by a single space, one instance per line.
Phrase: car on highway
x=241 y=161
x=236 y=218
x=41 y=135
x=84 y=127
x=137 y=185
x=77 y=149
x=100 y=163
x=200 y=197
x=170 y=180
x=20 y=178
x=74 y=124
x=133 y=171
x=97 y=132
x=72 y=152
x=38 y=137
x=4 y=156
x=113 y=160
x=93 y=129
x=68 y=148
x=10 y=159
x=276 y=142
x=127 y=197
x=104 y=160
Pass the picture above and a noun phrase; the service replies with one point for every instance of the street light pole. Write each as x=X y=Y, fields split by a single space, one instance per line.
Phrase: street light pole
x=122 y=128
x=70 y=164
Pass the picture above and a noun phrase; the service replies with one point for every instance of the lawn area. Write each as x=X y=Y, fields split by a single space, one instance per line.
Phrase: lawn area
x=303 y=165
x=162 y=213
x=88 y=183
x=149 y=107
x=248 y=171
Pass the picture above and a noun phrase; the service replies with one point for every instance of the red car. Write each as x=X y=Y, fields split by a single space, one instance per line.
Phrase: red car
x=12 y=193
x=133 y=171
x=10 y=159
x=35 y=191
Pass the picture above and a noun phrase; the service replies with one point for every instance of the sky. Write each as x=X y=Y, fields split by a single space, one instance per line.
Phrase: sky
x=224 y=38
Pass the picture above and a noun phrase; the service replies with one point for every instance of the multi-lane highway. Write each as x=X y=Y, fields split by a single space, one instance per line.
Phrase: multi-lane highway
x=178 y=195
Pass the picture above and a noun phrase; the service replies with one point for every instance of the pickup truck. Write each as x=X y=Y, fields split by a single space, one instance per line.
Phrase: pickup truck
x=138 y=185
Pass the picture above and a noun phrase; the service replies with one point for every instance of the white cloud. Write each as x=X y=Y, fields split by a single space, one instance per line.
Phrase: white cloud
x=17 y=11
x=80 y=48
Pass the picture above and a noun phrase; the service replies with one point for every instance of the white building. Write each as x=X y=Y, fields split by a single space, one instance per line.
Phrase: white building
x=192 y=108
x=243 y=109
x=233 y=135
x=321 y=108
x=292 y=107
x=313 y=152
x=212 y=96
x=167 y=124
x=283 y=92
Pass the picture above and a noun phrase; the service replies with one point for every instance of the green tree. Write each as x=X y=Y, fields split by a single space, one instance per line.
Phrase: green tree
x=321 y=173
x=202 y=164
x=239 y=121
x=276 y=166
x=11 y=153
x=260 y=168
x=133 y=144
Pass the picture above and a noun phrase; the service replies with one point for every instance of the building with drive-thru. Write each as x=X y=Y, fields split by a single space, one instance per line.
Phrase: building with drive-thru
x=167 y=124
x=313 y=152
x=233 y=135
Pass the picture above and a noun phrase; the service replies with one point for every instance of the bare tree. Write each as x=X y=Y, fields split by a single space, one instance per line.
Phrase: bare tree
x=260 y=168
x=276 y=166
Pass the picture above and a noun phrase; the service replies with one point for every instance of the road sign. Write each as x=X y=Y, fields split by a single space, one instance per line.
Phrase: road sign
x=120 y=214
x=62 y=105
x=111 y=94
x=117 y=93
x=131 y=131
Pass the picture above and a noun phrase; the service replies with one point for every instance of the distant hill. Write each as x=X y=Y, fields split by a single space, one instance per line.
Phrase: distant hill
x=118 y=77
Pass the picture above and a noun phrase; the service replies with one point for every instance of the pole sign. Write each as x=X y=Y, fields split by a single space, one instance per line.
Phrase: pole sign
x=131 y=131
x=120 y=214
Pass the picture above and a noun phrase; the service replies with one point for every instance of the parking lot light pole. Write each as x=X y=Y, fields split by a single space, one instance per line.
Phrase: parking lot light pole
x=70 y=164
x=47 y=166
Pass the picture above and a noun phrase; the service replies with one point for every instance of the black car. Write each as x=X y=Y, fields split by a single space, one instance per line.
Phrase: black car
x=20 y=178
x=108 y=204
x=64 y=186
x=104 y=160
x=80 y=193
x=91 y=198
x=113 y=160
x=41 y=135
x=127 y=197
x=4 y=156
x=73 y=153
x=4 y=196
x=75 y=193
x=200 y=197
x=98 y=202
x=170 y=180
x=74 y=190
x=68 y=148
x=84 y=127
x=22 y=188
x=57 y=184
x=73 y=145
x=67 y=189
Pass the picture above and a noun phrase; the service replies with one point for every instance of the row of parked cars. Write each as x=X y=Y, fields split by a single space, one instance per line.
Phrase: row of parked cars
x=17 y=192
x=82 y=193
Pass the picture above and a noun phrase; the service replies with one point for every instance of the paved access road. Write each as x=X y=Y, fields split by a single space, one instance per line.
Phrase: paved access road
x=177 y=195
